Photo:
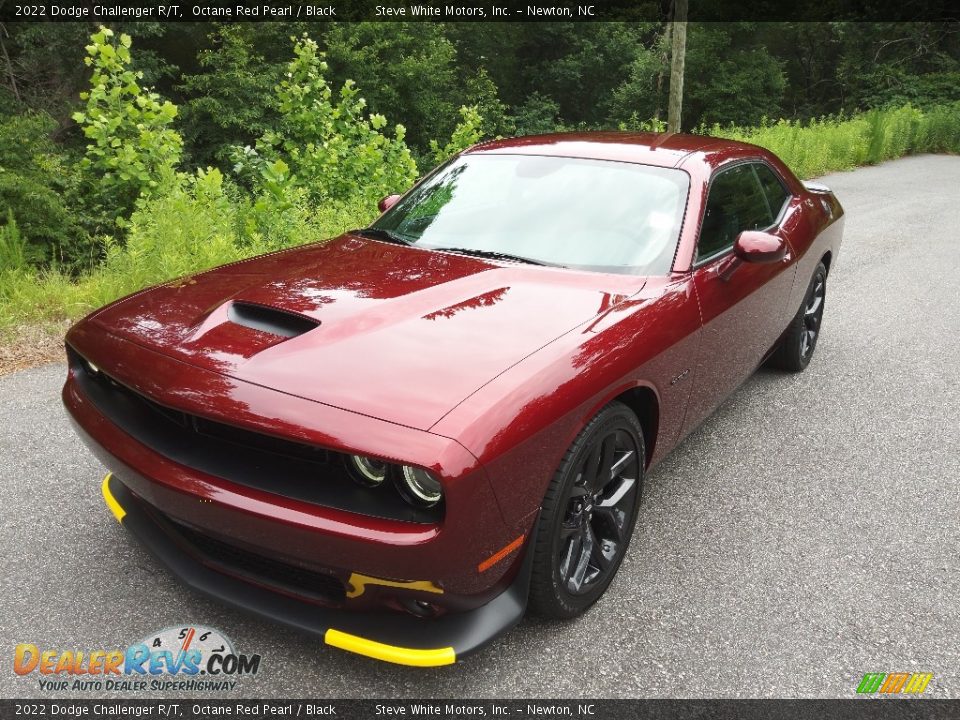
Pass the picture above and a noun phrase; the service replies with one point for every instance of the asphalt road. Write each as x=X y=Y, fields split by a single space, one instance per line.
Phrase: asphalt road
x=807 y=533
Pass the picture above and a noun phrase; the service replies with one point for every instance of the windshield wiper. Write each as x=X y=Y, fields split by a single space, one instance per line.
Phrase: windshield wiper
x=492 y=254
x=379 y=234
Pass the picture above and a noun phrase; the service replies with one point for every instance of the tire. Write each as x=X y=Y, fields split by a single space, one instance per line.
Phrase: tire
x=800 y=338
x=586 y=522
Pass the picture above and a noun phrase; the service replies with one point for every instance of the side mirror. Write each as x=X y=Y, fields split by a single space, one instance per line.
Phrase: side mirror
x=753 y=246
x=387 y=202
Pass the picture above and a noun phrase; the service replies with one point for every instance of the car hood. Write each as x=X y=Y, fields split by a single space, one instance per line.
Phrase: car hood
x=398 y=333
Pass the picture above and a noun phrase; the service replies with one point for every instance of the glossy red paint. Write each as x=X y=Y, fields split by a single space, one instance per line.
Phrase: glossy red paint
x=481 y=371
x=759 y=247
x=386 y=313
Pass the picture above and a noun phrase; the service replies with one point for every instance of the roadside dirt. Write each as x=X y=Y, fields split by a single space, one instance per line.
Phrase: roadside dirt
x=26 y=346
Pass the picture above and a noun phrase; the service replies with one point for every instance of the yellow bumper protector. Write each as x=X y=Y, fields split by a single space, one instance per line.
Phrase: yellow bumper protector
x=358 y=583
x=115 y=508
x=390 y=653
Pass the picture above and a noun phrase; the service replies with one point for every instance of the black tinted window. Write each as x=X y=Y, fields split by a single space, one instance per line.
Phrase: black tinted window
x=772 y=188
x=736 y=203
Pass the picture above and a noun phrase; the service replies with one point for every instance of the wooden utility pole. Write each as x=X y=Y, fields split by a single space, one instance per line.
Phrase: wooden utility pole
x=664 y=59
x=677 y=54
x=6 y=57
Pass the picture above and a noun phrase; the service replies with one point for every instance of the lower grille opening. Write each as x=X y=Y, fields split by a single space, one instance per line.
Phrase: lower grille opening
x=259 y=568
x=254 y=459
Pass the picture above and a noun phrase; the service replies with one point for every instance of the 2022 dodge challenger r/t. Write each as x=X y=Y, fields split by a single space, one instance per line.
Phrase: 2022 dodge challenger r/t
x=402 y=437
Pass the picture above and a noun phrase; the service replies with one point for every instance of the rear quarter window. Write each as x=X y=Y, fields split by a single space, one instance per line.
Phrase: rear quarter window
x=773 y=189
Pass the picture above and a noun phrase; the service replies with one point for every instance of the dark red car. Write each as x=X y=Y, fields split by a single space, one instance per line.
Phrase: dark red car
x=402 y=437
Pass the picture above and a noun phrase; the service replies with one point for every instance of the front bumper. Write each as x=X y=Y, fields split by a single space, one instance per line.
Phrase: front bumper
x=269 y=516
x=387 y=636
x=368 y=580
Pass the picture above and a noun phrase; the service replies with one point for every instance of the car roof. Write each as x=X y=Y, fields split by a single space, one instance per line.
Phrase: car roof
x=659 y=149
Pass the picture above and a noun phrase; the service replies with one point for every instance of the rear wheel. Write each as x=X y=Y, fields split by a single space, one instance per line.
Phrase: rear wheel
x=588 y=515
x=800 y=339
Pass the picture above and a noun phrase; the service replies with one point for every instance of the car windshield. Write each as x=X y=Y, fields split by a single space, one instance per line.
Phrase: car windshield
x=577 y=213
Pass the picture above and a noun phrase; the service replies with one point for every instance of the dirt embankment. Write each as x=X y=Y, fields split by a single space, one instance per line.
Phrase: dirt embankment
x=26 y=346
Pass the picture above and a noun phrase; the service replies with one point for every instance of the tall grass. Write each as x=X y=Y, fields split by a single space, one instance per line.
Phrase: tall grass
x=13 y=248
x=840 y=143
x=185 y=231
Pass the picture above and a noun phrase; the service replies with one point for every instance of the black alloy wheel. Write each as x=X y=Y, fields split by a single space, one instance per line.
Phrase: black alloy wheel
x=800 y=338
x=812 y=315
x=588 y=515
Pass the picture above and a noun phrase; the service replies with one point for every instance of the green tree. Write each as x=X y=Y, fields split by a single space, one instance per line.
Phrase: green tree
x=537 y=114
x=643 y=90
x=229 y=99
x=45 y=61
x=407 y=71
x=467 y=133
x=326 y=144
x=731 y=76
x=889 y=64
x=40 y=187
x=132 y=145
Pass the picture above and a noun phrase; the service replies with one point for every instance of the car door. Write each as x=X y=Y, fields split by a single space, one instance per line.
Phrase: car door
x=742 y=307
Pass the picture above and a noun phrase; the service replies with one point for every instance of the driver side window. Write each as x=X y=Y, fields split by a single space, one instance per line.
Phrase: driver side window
x=736 y=203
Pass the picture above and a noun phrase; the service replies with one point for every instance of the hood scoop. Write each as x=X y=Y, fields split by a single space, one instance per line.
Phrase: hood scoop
x=270 y=320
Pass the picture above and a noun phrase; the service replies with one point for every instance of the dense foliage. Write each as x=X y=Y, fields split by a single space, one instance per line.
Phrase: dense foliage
x=40 y=183
x=325 y=143
x=146 y=151
x=132 y=144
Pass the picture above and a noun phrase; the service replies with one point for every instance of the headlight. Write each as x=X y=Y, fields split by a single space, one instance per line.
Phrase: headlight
x=420 y=487
x=368 y=471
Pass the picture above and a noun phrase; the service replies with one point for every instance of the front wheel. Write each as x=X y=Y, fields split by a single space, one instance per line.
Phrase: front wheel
x=800 y=339
x=588 y=515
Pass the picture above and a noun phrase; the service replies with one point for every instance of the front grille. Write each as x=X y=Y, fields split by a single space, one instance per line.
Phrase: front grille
x=272 y=464
x=261 y=569
x=229 y=433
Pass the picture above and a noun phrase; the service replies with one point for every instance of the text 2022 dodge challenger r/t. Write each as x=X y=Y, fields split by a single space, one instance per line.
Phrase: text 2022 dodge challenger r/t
x=401 y=438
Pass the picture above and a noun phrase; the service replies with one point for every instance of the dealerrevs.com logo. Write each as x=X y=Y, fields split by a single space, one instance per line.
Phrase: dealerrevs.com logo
x=188 y=658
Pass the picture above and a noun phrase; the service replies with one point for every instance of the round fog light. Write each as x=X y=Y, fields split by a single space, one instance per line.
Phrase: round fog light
x=368 y=471
x=420 y=487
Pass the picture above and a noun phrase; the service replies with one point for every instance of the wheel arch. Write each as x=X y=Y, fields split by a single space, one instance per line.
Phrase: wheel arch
x=826 y=259
x=644 y=402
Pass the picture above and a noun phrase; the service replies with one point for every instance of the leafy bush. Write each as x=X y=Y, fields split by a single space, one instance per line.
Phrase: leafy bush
x=327 y=146
x=466 y=133
x=406 y=69
x=538 y=114
x=203 y=222
x=39 y=184
x=230 y=98
x=200 y=223
x=189 y=228
x=318 y=174
x=133 y=147
x=635 y=124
